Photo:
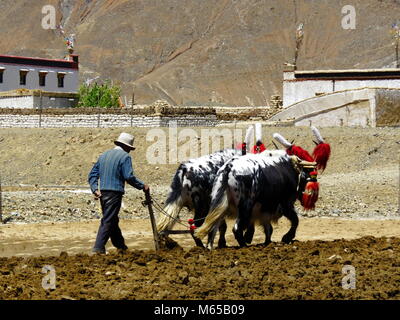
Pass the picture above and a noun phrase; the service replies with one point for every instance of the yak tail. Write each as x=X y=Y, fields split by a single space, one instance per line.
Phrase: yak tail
x=218 y=208
x=173 y=206
x=168 y=218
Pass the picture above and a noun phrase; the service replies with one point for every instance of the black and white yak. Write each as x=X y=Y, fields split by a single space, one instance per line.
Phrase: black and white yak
x=257 y=188
x=320 y=155
x=191 y=188
x=192 y=185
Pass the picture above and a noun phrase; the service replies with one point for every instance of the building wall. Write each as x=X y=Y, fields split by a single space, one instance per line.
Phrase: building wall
x=358 y=107
x=357 y=114
x=54 y=102
x=296 y=90
x=11 y=78
x=30 y=102
x=18 y=102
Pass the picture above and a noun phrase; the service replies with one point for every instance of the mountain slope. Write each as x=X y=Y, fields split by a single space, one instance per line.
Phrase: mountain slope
x=202 y=51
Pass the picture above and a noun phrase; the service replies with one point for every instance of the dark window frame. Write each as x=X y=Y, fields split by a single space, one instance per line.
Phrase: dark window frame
x=1 y=75
x=42 y=79
x=61 y=80
x=22 y=77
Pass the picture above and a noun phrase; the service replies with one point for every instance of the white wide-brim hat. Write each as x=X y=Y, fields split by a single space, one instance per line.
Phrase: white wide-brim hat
x=126 y=139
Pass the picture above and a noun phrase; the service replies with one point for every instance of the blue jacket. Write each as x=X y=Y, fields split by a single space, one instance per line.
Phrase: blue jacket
x=113 y=168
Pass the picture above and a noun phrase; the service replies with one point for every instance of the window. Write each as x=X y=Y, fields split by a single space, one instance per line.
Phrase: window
x=1 y=75
x=61 y=76
x=22 y=77
x=42 y=78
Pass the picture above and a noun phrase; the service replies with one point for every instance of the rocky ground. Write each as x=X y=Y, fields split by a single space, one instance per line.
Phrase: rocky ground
x=44 y=172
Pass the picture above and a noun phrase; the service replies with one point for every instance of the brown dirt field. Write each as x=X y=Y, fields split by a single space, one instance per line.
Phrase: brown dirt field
x=303 y=270
x=306 y=269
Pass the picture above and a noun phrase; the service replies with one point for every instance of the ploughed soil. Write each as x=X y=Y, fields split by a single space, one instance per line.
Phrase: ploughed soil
x=305 y=269
x=301 y=270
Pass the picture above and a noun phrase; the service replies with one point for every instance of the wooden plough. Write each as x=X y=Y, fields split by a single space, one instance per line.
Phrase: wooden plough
x=156 y=236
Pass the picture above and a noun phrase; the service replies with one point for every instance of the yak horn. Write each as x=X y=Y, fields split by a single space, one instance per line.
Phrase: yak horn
x=258 y=131
x=317 y=135
x=282 y=140
x=302 y=163
x=249 y=136
x=307 y=164
x=276 y=147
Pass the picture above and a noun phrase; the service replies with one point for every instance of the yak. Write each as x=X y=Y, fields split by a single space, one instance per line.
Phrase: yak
x=257 y=188
x=191 y=188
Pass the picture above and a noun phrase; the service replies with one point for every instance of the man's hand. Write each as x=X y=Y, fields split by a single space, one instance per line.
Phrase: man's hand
x=97 y=195
x=146 y=188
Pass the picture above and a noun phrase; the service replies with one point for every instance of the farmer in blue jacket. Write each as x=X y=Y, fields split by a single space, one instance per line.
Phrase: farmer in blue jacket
x=113 y=168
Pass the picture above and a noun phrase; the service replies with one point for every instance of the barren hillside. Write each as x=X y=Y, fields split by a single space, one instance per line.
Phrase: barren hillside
x=190 y=51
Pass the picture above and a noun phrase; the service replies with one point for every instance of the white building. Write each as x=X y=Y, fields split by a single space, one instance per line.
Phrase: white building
x=368 y=97
x=302 y=85
x=56 y=80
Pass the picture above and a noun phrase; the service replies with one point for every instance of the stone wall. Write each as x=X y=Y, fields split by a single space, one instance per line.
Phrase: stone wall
x=159 y=114
x=101 y=121
x=388 y=108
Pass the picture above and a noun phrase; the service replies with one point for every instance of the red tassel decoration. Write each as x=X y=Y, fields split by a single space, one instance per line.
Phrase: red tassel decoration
x=310 y=195
x=258 y=149
x=299 y=152
x=321 y=155
x=243 y=147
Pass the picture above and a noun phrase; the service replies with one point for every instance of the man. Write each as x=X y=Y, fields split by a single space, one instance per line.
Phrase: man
x=113 y=168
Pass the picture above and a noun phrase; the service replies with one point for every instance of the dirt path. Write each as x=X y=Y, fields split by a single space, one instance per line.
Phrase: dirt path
x=50 y=239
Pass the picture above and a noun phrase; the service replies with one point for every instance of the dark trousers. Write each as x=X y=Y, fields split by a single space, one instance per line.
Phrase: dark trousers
x=110 y=205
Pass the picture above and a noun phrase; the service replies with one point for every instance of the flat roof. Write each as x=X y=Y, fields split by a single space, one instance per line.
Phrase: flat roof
x=349 y=74
x=55 y=63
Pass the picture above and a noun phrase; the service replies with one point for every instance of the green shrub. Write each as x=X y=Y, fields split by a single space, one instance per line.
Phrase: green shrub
x=96 y=95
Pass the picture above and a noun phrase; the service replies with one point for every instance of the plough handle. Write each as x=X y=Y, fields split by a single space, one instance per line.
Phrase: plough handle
x=153 y=220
